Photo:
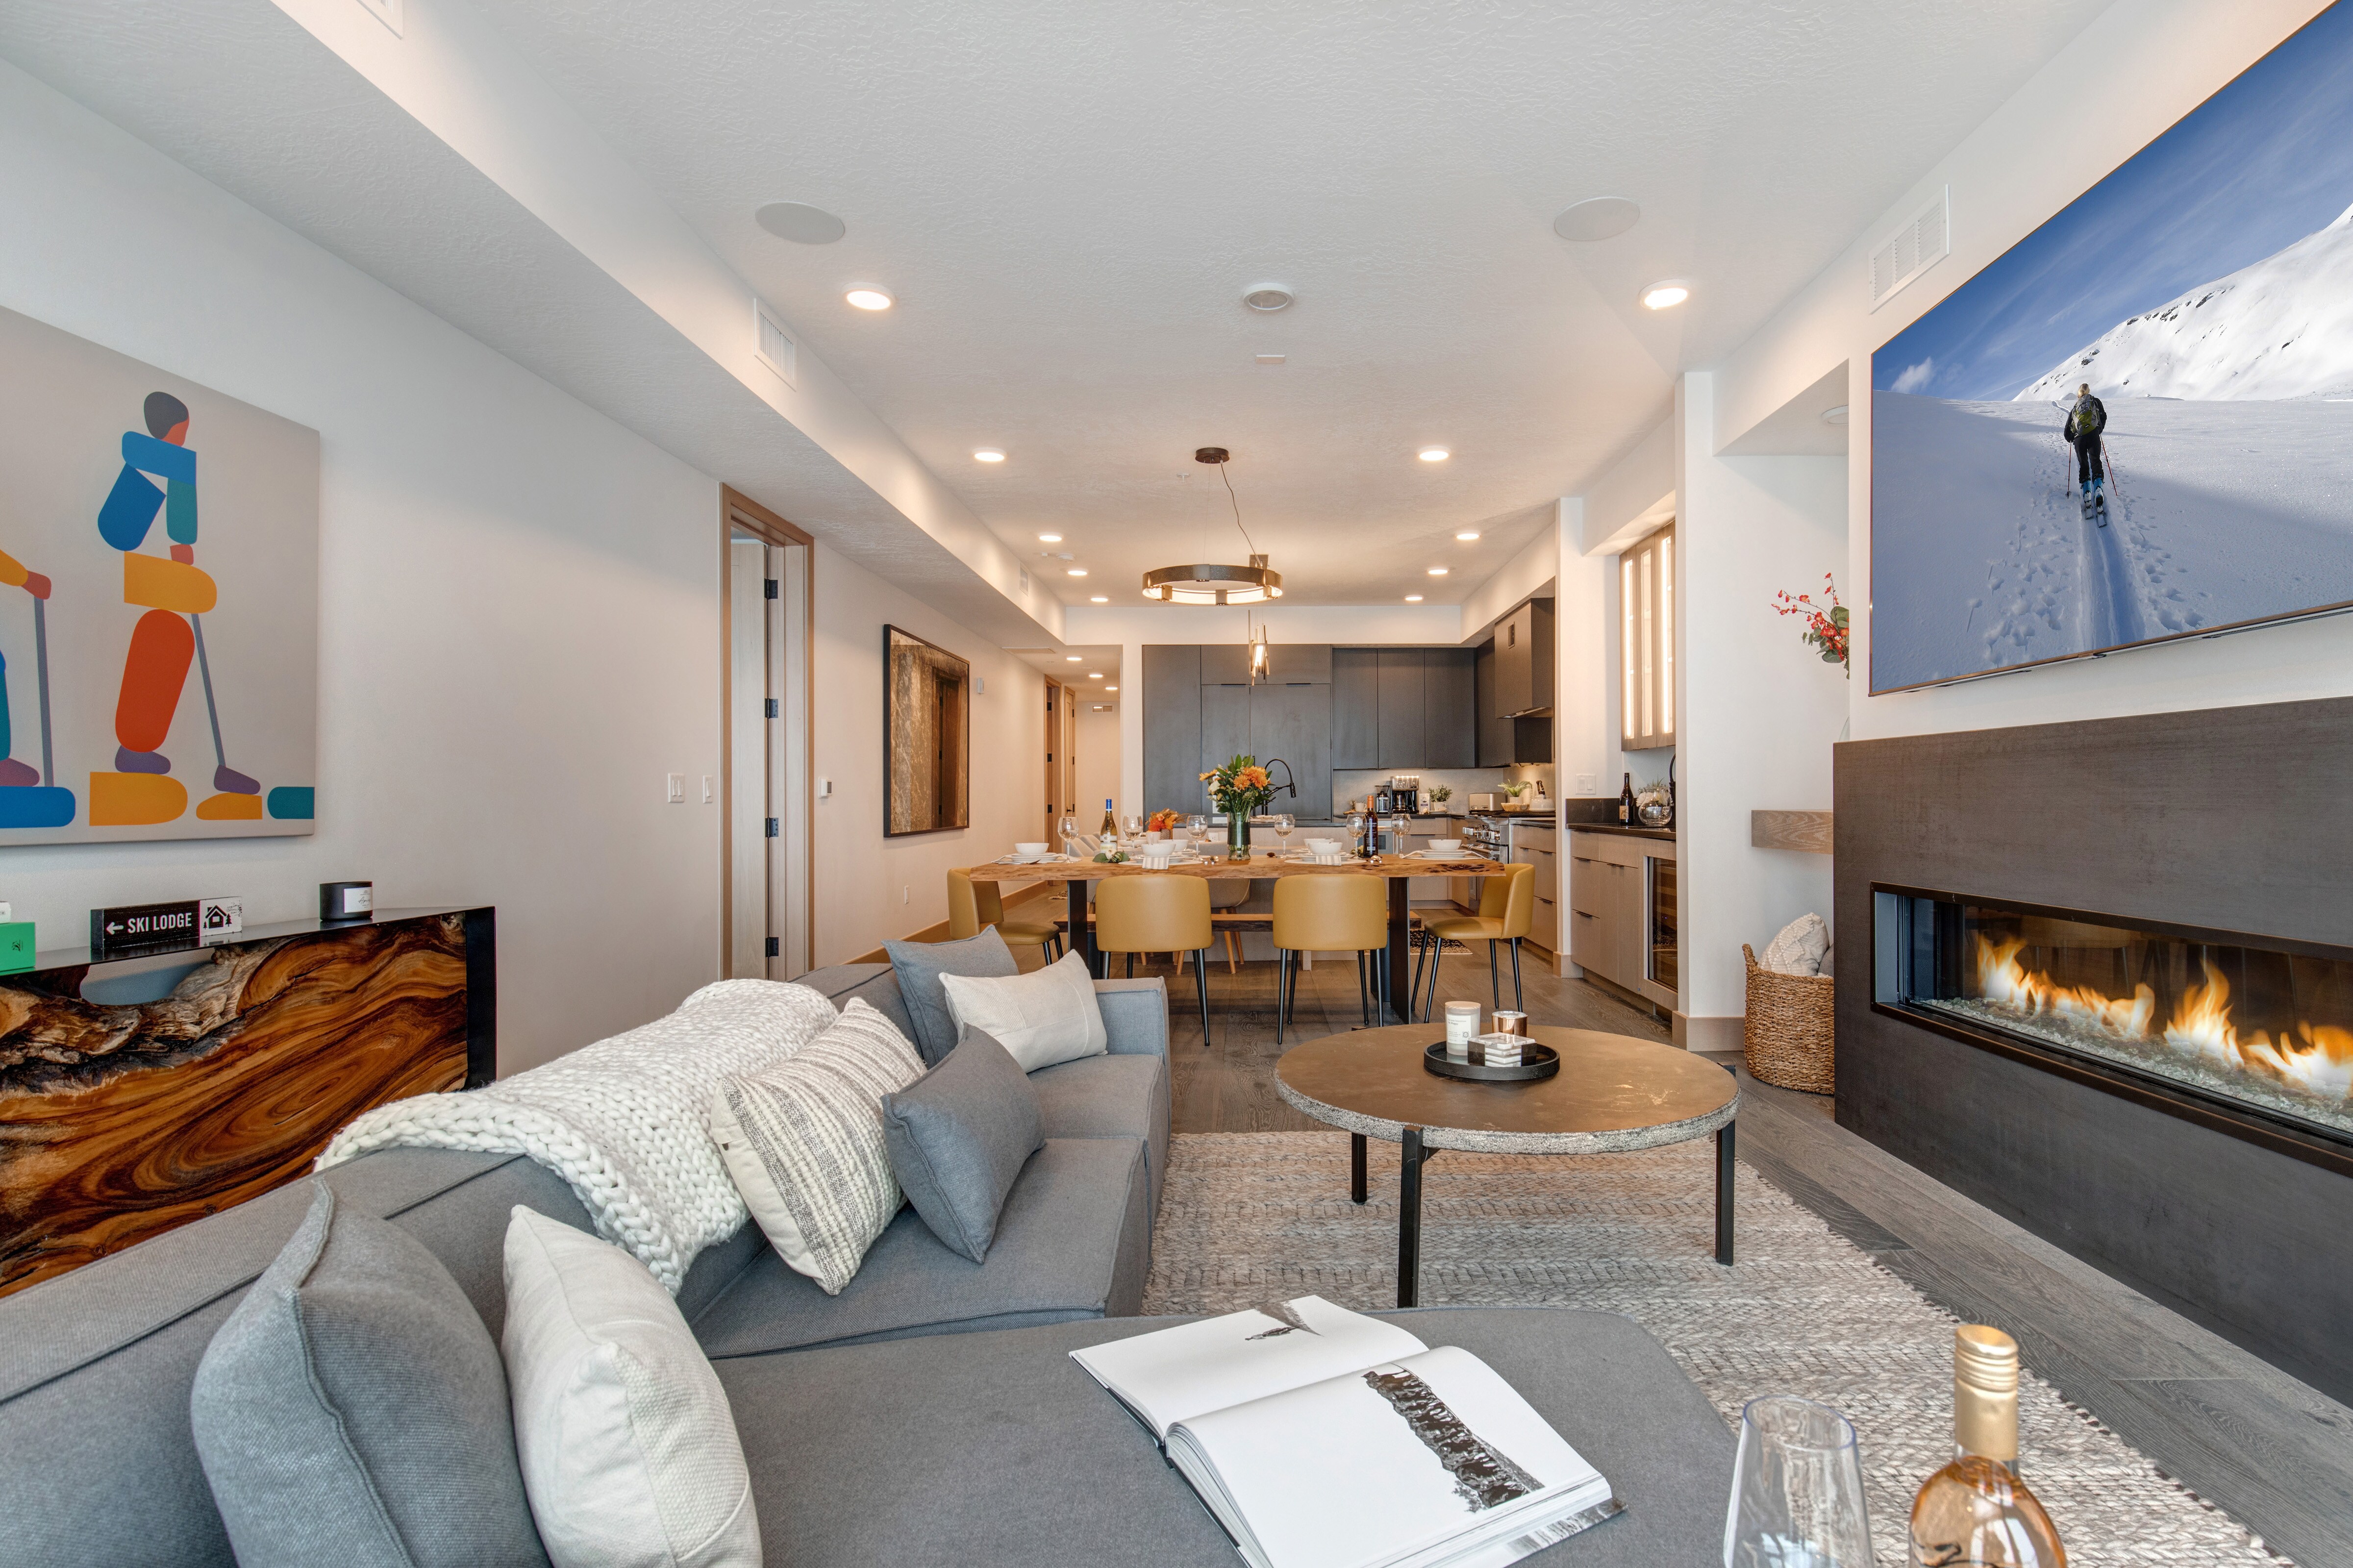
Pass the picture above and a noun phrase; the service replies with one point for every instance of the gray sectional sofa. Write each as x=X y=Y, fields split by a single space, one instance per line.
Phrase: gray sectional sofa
x=972 y=1439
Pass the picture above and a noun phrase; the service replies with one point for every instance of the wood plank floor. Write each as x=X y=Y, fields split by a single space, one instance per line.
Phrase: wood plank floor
x=2273 y=1453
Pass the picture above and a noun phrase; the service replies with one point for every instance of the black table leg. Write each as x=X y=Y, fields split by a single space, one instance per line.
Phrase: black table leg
x=1409 y=1218
x=1723 y=1192
x=1356 y=1167
x=1083 y=936
x=1400 y=936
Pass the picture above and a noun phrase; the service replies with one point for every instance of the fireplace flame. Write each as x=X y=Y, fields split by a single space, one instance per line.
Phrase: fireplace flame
x=2317 y=1060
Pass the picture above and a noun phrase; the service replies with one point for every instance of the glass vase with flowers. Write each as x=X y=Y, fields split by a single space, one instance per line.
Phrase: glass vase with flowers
x=1239 y=788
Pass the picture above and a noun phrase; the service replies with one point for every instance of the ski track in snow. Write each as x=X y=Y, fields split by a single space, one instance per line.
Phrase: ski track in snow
x=1981 y=558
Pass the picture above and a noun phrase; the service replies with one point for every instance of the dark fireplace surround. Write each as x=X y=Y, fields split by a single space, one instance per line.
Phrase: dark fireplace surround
x=2222 y=842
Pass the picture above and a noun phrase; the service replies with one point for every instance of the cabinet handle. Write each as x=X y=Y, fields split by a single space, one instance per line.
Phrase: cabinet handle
x=1581 y=914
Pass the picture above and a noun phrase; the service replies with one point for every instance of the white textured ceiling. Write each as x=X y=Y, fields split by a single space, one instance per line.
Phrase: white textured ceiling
x=1068 y=199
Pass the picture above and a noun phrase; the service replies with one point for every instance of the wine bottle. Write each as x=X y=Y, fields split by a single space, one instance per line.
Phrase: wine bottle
x=1976 y=1512
x=1625 y=817
x=1110 y=822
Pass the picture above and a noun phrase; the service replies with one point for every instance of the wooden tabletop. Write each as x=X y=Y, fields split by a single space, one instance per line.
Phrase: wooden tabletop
x=1613 y=1093
x=1261 y=863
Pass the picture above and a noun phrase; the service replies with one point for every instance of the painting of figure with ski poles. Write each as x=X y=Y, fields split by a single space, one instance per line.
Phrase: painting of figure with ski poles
x=175 y=697
x=2137 y=424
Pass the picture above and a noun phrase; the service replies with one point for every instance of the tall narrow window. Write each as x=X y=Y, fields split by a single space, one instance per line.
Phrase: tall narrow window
x=1647 y=636
x=1627 y=656
x=1667 y=634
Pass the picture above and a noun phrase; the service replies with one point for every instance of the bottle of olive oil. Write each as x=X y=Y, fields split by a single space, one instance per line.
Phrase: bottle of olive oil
x=1976 y=1512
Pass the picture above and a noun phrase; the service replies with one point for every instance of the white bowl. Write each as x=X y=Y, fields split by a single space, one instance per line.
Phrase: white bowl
x=1322 y=846
x=1033 y=848
x=1446 y=846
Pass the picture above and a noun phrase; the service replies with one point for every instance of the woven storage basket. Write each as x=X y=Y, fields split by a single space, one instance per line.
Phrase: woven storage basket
x=1787 y=1034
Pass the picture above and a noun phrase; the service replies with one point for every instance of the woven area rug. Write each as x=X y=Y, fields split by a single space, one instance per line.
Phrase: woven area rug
x=1250 y=1216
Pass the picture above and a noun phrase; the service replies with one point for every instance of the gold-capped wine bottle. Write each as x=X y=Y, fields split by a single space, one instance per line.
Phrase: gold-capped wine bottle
x=1976 y=1512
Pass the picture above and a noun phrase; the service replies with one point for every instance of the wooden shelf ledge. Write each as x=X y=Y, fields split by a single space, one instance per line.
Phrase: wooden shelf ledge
x=1808 y=831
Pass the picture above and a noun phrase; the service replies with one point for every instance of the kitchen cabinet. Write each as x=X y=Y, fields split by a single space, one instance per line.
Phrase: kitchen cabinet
x=1293 y=721
x=1172 y=728
x=1535 y=845
x=1646 y=643
x=1402 y=698
x=1503 y=740
x=1355 y=708
x=1611 y=879
x=1449 y=725
x=1294 y=664
x=1225 y=664
x=1225 y=732
x=1524 y=659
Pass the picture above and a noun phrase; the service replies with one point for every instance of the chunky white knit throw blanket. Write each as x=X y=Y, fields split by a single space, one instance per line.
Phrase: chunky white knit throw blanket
x=627 y=1121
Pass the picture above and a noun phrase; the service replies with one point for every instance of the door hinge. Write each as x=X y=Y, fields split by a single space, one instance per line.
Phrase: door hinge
x=768 y=587
x=771 y=828
x=772 y=707
x=774 y=951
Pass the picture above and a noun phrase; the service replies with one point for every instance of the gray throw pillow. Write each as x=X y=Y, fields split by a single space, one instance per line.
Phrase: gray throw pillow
x=958 y=1137
x=920 y=965
x=352 y=1411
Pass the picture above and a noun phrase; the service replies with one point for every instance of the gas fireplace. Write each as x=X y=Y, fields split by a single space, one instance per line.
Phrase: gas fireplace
x=2251 y=1034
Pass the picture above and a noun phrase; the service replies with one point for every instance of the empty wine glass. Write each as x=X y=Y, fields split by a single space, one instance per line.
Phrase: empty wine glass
x=1197 y=828
x=1284 y=823
x=1070 y=825
x=1797 y=1490
x=1132 y=827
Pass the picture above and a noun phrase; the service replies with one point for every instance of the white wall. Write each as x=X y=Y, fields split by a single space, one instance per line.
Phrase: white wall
x=2137 y=69
x=871 y=889
x=1099 y=756
x=519 y=631
x=1759 y=709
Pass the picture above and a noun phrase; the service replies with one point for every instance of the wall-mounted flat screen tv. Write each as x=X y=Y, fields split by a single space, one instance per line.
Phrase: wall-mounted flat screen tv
x=2137 y=424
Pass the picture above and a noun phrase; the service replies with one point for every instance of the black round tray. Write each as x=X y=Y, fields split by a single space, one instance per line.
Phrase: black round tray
x=1536 y=1062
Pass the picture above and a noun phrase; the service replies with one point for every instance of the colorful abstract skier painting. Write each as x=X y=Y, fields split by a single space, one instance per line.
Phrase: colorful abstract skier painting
x=159 y=551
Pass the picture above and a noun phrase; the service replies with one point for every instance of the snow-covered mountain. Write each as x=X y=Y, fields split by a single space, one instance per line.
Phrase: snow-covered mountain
x=2282 y=328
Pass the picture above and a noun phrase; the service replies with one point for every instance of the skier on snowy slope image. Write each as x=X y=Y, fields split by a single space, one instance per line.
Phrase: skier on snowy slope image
x=2086 y=421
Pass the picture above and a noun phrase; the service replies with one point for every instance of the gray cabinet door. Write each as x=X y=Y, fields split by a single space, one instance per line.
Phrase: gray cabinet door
x=1450 y=704
x=1355 y=708
x=1225 y=664
x=1494 y=731
x=1293 y=721
x=1403 y=685
x=1172 y=727
x=1225 y=732
x=1516 y=647
x=1288 y=663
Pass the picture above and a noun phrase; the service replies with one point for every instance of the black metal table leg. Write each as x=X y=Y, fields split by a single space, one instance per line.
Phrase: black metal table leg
x=1083 y=936
x=1400 y=936
x=1356 y=1167
x=1723 y=1192
x=1409 y=1218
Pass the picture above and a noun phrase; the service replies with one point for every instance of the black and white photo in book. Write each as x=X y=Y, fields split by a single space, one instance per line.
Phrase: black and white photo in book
x=1323 y=1438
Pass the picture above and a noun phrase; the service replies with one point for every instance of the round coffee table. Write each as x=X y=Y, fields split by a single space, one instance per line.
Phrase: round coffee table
x=1613 y=1093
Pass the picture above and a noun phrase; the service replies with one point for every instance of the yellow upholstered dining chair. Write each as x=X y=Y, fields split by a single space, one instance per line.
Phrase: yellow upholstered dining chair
x=973 y=906
x=1329 y=914
x=1157 y=913
x=1507 y=906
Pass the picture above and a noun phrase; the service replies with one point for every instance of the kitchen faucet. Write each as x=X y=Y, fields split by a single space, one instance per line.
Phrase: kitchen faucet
x=1289 y=784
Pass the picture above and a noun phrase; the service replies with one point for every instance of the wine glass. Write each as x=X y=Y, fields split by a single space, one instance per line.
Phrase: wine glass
x=1197 y=828
x=1284 y=823
x=1070 y=825
x=1797 y=1490
x=1131 y=829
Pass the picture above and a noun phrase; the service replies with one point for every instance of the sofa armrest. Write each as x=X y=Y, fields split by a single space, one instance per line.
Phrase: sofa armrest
x=1135 y=1017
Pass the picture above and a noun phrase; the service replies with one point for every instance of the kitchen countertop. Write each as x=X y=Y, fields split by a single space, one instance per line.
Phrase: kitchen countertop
x=1665 y=832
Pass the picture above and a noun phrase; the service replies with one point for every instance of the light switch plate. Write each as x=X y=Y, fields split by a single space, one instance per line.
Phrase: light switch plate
x=676 y=789
x=1586 y=784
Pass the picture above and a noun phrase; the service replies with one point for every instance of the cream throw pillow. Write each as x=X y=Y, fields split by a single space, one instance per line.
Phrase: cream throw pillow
x=1799 y=947
x=1047 y=1016
x=802 y=1139
x=628 y=1450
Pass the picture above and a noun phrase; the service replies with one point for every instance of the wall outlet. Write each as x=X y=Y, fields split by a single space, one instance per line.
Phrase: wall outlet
x=1589 y=784
x=907 y=894
x=7 y=914
x=676 y=789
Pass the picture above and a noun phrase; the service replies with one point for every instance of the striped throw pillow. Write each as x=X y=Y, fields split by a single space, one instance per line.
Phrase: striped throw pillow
x=803 y=1140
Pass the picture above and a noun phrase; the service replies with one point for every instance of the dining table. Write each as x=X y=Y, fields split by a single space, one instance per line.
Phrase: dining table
x=1218 y=865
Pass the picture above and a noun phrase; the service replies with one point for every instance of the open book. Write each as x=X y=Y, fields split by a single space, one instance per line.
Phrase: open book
x=1323 y=1439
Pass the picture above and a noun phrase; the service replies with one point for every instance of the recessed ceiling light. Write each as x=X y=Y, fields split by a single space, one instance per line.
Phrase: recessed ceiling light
x=988 y=455
x=1073 y=658
x=866 y=298
x=1094 y=675
x=1099 y=599
x=1268 y=297
x=1111 y=688
x=1271 y=359
x=1467 y=538
x=799 y=222
x=1834 y=416
x=1665 y=295
x=1050 y=539
x=1413 y=598
x=1437 y=570
x=1433 y=454
x=1077 y=572
x=1603 y=217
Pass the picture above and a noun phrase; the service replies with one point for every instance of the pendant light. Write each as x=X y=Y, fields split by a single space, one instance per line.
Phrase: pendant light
x=1257 y=657
x=1208 y=583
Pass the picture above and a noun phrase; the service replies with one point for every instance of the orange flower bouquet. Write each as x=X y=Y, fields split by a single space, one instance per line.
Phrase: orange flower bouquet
x=1239 y=788
x=1164 y=821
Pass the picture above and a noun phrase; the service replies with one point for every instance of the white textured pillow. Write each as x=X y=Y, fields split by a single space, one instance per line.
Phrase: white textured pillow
x=803 y=1140
x=628 y=1450
x=1798 y=949
x=1047 y=1016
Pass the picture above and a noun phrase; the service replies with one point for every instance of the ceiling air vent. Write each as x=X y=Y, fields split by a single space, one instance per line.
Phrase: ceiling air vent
x=772 y=344
x=1913 y=250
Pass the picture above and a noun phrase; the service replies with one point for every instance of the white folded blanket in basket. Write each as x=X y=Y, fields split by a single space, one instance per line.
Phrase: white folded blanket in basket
x=626 y=1121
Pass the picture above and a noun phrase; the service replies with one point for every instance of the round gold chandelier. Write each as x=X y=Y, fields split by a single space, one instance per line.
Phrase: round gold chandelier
x=1205 y=583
